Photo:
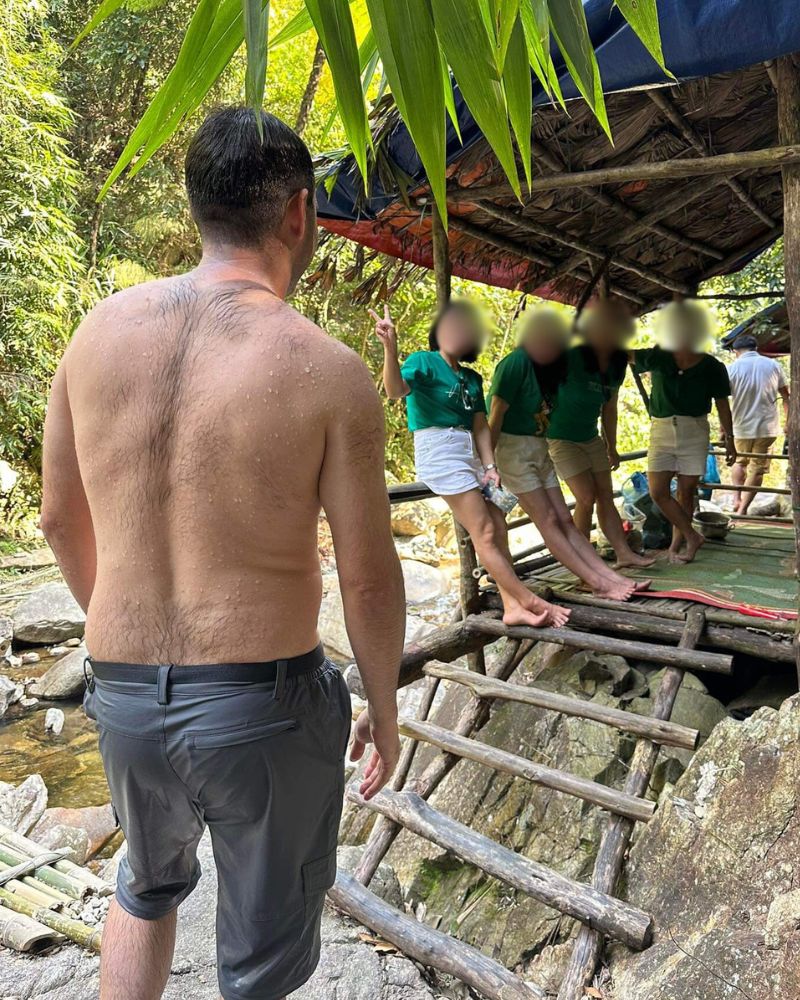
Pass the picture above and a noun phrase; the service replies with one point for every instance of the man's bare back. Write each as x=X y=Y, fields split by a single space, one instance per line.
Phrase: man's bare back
x=200 y=410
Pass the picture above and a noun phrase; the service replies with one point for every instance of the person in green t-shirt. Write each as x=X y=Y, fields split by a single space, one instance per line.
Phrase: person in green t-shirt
x=518 y=418
x=453 y=445
x=684 y=383
x=595 y=371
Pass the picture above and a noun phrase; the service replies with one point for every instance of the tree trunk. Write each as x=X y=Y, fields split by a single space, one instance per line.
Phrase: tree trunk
x=307 y=100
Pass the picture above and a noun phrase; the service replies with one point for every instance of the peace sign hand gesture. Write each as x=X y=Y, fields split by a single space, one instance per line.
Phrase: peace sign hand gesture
x=385 y=331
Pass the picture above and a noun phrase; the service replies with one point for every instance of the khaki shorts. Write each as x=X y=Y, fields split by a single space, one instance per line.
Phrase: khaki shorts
x=760 y=465
x=524 y=463
x=573 y=457
x=679 y=444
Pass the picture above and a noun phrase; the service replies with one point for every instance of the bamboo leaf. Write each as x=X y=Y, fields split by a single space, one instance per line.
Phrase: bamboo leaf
x=506 y=12
x=449 y=96
x=470 y=51
x=294 y=27
x=536 y=26
x=334 y=27
x=105 y=10
x=411 y=59
x=568 y=21
x=255 y=17
x=519 y=97
x=642 y=16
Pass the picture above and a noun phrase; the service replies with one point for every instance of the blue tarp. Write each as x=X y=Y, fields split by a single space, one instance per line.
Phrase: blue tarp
x=700 y=38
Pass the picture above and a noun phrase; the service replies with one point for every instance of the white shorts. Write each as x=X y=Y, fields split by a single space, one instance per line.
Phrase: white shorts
x=446 y=460
x=524 y=463
x=679 y=444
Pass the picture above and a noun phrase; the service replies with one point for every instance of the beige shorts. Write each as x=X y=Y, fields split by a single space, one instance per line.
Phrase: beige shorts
x=678 y=444
x=524 y=463
x=763 y=445
x=573 y=457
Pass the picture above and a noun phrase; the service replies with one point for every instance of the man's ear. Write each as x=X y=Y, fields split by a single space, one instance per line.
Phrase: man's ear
x=295 y=218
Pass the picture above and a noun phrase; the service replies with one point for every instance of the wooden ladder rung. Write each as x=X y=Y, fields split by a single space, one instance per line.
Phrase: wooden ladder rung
x=657 y=730
x=429 y=946
x=620 y=803
x=596 y=909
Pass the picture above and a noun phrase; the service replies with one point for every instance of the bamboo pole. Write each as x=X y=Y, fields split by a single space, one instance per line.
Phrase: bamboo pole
x=608 y=915
x=722 y=165
x=428 y=946
x=472 y=719
x=611 y=856
x=520 y=767
x=88 y=937
x=687 y=659
x=25 y=935
x=777 y=490
x=665 y=733
x=788 y=80
x=32 y=882
x=35 y=893
x=10 y=838
x=46 y=873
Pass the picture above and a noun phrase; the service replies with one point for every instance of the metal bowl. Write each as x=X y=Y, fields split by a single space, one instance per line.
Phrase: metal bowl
x=712 y=524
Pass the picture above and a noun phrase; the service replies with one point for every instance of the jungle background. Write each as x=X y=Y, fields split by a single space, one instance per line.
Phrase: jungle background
x=65 y=114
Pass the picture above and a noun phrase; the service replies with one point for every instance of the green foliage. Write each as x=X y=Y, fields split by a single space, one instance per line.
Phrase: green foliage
x=40 y=251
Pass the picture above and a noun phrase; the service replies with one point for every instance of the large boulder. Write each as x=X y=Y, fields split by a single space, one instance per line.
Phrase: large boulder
x=423 y=583
x=49 y=614
x=8 y=694
x=350 y=968
x=98 y=822
x=717 y=868
x=22 y=806
x=419 y=517
x=65 y=679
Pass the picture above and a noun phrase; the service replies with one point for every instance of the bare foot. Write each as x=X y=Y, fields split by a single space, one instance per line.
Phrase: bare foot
x=630 y=558
x=694 y=542
x=558 y=616
x=517 y=615
x=613 y=591
x=675 y=557
x=640 y=585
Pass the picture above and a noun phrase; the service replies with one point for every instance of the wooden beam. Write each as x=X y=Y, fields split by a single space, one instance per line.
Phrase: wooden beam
x=665 y=733
x=687 y=659
x=473 y=718
x=721 y=165
x=666 y=105
x=566 y=239
x=777 y=490
x=607 y=915
x=428 y=946
x=441 y=257
x=617 y=836
x=520 y=767
x=788 y=79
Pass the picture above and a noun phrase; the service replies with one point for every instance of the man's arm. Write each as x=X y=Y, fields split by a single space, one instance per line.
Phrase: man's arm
x=726 y=423
x=783 y=392
x=353 y=495
x=66 y=520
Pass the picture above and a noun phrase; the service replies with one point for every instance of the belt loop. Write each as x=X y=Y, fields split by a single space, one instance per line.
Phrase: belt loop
x=163 y=681
x=280 y=680
x=88 y=676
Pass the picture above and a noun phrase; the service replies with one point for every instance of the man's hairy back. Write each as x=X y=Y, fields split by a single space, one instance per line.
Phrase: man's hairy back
x=200 y=413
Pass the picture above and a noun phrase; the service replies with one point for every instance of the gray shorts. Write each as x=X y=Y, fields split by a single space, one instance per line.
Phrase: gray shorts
x=261 y=763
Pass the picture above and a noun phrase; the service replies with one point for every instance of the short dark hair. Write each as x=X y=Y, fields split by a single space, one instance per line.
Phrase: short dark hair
x=238 y=181
x=745 y=342
x=467 y=310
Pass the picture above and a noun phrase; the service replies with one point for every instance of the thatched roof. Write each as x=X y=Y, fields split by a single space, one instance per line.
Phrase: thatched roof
x=653 y=238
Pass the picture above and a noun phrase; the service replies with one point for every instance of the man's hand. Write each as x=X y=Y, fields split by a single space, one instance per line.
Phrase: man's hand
x=730 y=451
x=490 y=476
x=384 y=757
x=613 y=458
x=385 y=331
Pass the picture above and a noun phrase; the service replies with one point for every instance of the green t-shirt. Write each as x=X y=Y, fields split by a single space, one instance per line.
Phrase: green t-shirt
x=684 y=392
x=440 y=397
x=515 y=383
x=582 y=395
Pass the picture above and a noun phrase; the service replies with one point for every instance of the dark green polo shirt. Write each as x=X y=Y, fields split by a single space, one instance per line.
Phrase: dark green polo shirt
x=582 y=395
x=440 y=397
x=686 y=392
x=515 y=383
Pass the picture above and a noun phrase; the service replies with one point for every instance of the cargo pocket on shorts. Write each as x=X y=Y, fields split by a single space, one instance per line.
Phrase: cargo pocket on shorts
x=236 y=737
x=318 y=876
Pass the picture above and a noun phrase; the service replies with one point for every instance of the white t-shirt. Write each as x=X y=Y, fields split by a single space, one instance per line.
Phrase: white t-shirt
x=755 y=381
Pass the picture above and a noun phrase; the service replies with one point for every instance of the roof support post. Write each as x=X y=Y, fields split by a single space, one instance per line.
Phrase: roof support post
x=789 y=131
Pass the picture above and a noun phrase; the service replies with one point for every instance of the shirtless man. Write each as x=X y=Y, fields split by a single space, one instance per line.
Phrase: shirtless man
x=196 y=426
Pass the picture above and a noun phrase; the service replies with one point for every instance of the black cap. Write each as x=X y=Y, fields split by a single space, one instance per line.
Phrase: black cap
x=745 y=342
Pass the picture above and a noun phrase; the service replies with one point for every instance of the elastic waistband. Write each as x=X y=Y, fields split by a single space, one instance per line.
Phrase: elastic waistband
x=259 y=673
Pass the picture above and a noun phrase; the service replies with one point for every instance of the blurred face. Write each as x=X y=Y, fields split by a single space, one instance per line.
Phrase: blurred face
x=683 y=328
x=545 y=337
x=459 y=334
x=606 y=327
